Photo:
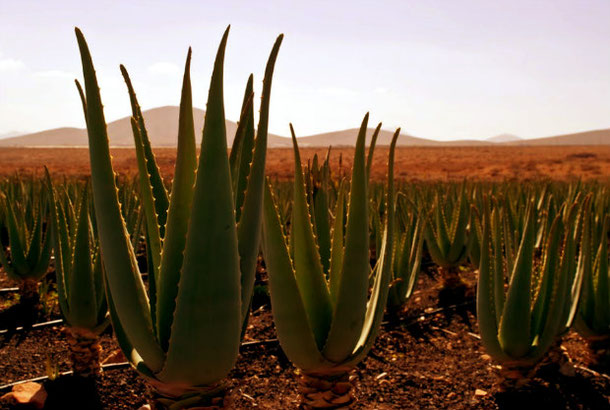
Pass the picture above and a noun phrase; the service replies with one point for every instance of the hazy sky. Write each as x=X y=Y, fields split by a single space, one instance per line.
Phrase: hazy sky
x=442 y=69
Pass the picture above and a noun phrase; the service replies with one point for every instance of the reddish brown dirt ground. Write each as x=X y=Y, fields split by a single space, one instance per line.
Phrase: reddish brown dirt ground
x=423 y=360
x=415 y=163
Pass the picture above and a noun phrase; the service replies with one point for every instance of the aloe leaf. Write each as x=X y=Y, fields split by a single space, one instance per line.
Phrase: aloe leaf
x=249 y=228
x=432 y=243
x=498 y=262
x=18 y=258
x=514 y=333
x=322 y=224
x=82 y=297
x=458 y=232
x=309 y=274
x=602 y=297
x=121 y=335
x=379 y=293
x=369 y=159
x=153 y=233
x=550 y=278
x=178 y=213
x=154 y=176
x=289 y=315
x=124 y=280
x=209 y=290
x=336 y=256
x=241 y=149
x=486 y=304
x=34 y=246
x=81 y=94
x=352 y=296
x=57 y=242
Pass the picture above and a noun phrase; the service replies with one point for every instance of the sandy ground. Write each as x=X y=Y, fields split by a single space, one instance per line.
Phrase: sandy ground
x=416 y=163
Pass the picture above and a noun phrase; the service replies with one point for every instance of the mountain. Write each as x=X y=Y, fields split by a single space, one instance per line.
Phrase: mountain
x=161 y=124
x=504 y=138
x=11 y=134
x=348 y=138
x=597 y=137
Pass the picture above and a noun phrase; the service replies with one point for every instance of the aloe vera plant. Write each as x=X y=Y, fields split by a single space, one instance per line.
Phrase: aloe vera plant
x=407 y=255
x=326 y=327
x=80 y=286
x=519 y=326
x=183 y=335
x=593 y=318
x=27 y=257
x=447 y=239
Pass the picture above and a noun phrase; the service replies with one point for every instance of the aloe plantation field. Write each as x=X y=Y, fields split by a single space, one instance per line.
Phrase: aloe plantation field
x=230 y=277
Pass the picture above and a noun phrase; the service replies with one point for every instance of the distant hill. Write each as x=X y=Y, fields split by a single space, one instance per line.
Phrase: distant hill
x=11 y=134
x=162 y=126
x=348 y=138
x=597 y=137
x=504 y=138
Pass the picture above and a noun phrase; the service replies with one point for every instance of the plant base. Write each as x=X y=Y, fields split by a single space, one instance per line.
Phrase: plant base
x=29 y=301
x=454 y=289
x=514 y=376
x=166 y=396
x=85 y=351
x=326 y=391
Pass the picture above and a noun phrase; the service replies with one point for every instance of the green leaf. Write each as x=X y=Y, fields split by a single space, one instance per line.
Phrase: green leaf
x=486 y=295
x=352 y=296
x=178 y=214
x=82 y=296
x=379 y=293
x=209 y=292
x=309 y=274
x=289 y=315
x=124 y=280
x=154 y=176
x=250 y=219
x=514 y=333
x=369 y=160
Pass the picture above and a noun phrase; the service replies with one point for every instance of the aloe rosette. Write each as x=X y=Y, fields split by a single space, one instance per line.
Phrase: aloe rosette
x=447 y=239
x=26 y=259
x=408 y=249
x=183 y=335
x=326 y=326
x=80 y=285
x=593 y=318
x=519 y=326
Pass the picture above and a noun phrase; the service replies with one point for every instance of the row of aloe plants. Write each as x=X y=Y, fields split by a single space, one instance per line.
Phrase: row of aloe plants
x=337 y=253
x=551 y=254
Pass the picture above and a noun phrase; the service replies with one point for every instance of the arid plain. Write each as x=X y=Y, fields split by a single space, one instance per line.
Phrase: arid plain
x=412 y=163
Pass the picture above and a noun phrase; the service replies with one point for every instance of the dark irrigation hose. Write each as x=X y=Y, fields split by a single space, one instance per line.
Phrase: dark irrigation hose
x=108 y=366
x=34 y=326
x=111 y=366
x=244 y=346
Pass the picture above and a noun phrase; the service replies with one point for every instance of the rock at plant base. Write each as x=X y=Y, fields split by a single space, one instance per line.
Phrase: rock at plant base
x=115 y=357
x=32 y=394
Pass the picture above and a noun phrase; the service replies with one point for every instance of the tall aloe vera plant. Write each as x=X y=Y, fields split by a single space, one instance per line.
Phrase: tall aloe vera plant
x=80 y=286
x=184 y=335
x=518 y=327
x=326 y=326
